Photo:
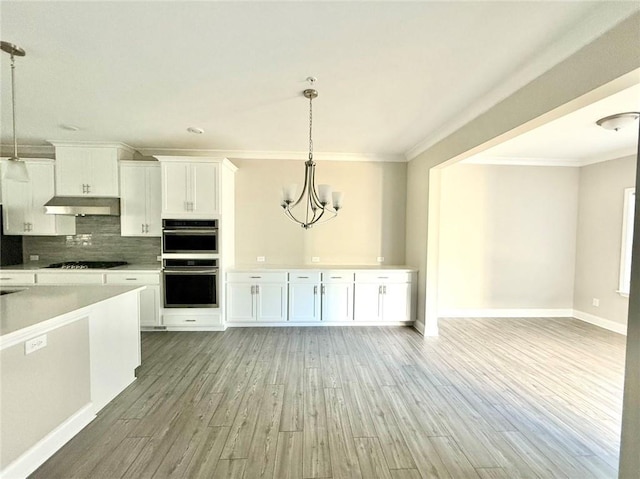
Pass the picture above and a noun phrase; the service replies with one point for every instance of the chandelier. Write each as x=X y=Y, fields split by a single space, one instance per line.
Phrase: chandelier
x=16 y=168
x=313 y=205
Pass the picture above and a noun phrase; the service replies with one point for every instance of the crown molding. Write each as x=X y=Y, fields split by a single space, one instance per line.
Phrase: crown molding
x=33 y=151
x=94 y=144
x=270 y=155
x=523 y=161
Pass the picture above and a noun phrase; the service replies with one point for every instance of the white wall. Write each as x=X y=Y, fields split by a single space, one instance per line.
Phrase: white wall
x=599 y=239
x=371 y=224
x=507 y=240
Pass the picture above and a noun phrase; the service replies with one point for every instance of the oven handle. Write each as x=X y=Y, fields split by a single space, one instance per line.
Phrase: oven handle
x=191 y=271
x=191 y=232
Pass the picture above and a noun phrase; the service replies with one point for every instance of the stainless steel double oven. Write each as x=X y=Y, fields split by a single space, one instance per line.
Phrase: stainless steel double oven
x=190 y=256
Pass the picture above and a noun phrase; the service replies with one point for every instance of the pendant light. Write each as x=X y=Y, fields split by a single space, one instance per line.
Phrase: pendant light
x=313 y=204
x=16 y=169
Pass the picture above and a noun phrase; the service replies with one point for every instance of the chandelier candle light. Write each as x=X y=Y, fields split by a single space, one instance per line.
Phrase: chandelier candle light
x=16 y=169
x=312 y=204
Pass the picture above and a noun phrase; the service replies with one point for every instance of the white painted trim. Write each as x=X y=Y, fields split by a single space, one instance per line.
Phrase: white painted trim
x=505 y=313
x=523 y=161
x=93 y=144
x=601 y=322
x=271 y=155
x=289 y=324
x=628 y=216
x=48 y=445
x=191 y=328
x=418 y=326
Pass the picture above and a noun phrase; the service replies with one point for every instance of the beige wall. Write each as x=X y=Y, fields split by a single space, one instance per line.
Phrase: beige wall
x=600 y=236
x=557 y=92
x=371 y=224
x=507 y=238
x=41 y=390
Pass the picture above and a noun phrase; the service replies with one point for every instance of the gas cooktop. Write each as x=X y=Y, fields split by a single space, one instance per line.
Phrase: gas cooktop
x=87 y=264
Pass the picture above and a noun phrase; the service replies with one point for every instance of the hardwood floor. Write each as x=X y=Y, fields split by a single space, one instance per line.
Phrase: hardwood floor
x=489 y=398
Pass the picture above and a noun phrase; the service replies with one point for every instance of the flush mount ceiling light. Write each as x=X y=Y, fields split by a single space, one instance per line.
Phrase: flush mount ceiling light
x=16 y=168
x=312 y=204
x=195 y=130
x=618 y=121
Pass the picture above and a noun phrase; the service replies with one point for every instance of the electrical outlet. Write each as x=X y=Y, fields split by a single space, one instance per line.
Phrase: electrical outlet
x=261 y=259
x=380 y=259
x=158 y=258
x=35 y=344
x=34 y=257
x=595 y=302
x=315 y=259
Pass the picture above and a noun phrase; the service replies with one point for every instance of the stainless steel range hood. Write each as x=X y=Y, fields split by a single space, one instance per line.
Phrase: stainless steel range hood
x=82 y=205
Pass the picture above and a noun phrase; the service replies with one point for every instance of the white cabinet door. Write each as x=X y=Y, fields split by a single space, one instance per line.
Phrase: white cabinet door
x=133 y=216
x=337 y=302
x=204 y=188
x=396 y=302
x=140 y=185
x=190 y=189
x=240 y=302
x=271 y=302
x=24 y=203
x=86 y=171
x=154 y=202
x=175 y=184
x=149 y=306
x=368 y=302
x=304 y=302
x=15 y=202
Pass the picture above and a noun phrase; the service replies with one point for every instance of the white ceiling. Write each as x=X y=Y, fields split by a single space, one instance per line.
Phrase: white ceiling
x=393 y=77
x=574 y=139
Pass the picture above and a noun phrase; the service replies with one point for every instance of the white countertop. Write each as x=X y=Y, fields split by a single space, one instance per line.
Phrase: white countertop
x=35 y=304
x=41 y=267
x=320 y=267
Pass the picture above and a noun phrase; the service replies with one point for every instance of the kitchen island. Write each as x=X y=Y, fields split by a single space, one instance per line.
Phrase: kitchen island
x=66 y=351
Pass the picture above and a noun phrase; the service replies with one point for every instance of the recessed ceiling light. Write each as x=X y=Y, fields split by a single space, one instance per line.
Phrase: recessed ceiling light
x=195 y=130
x=618 y=121
x=70 y=127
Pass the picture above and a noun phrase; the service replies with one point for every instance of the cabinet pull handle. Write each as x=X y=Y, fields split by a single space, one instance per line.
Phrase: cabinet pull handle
x=315 y=290
x=383 y=277
x=5 y=279
x=336 y=277
x=190 y=320
x=257 y=289
x=146 y=228
x=322 y=291
x=384 y=289
x=255 y=277
x=142 y=228
x=130 y=279
x=303 y=277
x=253 y=290
x=88 y=188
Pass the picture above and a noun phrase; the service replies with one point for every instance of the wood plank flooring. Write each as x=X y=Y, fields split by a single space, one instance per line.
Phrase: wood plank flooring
x=489 y=398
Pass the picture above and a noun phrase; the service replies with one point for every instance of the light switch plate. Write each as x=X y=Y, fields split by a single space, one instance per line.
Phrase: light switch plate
x=261 y=259
x=34 y=257
x=380 y=259
x=315 y=259
x=34 y=344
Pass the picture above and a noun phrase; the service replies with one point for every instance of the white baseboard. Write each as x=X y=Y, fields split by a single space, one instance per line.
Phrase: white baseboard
x=418 y=326
x=601 y=322
x=48 y=445
x=505 y=313
x=320 y=324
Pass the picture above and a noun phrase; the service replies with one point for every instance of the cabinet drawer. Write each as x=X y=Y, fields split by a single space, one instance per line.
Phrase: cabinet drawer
x=257 y=277
x=7 y=277
x=305 y=277
x=70 y=278
x=383 y=277
x=337 y=276
x=192 y=320
x=133 y=278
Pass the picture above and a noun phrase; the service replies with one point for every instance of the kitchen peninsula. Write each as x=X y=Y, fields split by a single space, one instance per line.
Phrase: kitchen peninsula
x=66 y=351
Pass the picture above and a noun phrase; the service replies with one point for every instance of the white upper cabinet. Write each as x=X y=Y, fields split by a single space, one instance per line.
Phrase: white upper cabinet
x=23 y=203
x=89 y=169
x=140 y=198
x=190 y=187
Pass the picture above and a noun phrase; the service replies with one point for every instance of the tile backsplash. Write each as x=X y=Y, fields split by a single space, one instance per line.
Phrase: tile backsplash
x=97 y=238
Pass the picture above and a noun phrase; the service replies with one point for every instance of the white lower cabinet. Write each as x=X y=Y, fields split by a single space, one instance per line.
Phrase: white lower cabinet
x=304 y=297
x=256 y=297
x=70 y=277
x=337 y=296
x=382 y=296
x=149 y=297
x=16 y=278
